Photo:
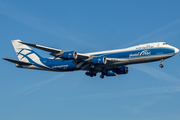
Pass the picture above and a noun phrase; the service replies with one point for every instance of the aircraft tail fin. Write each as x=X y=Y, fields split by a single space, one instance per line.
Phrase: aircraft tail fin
x=24 y=53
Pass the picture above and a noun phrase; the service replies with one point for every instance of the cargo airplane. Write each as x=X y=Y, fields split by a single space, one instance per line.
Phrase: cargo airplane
x=108 y=63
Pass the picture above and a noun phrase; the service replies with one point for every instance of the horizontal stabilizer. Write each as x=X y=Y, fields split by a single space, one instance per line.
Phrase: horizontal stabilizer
x=18 y=62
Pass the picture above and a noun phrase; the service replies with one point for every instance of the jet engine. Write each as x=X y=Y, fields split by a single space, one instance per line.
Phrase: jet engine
x=110 y=73
x=121 y=70
x=69 y=55
x=99 y=60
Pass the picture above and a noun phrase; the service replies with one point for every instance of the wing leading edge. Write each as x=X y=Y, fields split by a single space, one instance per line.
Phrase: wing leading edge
x=55 y=52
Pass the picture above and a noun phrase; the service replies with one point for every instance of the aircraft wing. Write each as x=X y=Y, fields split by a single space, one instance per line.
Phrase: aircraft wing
x=48 y=49
x=55 y=52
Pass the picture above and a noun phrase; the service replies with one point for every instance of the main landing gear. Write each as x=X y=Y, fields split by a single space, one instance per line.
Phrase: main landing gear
x=161 y=65
x=101 y=76
x=93 y=73
x=90 y=73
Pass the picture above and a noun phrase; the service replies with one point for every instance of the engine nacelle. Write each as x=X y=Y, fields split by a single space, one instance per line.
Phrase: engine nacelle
x=69 y=55
x=99 y=60
x=121 y=70
x=110 y=73
x=19 y=66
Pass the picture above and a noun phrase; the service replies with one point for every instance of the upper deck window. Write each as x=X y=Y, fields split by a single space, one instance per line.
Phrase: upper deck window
x=164 y=43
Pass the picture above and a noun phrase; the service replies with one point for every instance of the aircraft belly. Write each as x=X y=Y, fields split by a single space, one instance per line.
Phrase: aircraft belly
x=136 y=60
x=146 y=59
x=46 y=69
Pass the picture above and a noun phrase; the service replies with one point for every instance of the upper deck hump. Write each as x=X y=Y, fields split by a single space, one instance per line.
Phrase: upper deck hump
x=141 y=46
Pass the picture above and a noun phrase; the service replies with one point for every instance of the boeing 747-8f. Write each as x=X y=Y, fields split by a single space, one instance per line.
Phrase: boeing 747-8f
x=108 y=63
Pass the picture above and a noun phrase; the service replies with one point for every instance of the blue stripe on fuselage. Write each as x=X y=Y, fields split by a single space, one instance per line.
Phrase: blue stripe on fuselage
x=67 y=65
x=138 y=53
x=59 y=64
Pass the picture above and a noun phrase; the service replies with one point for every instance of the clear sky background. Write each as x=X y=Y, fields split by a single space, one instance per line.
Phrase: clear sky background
x=147 y=92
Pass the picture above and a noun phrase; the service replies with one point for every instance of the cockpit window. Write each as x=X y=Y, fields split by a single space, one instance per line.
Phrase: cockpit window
x=164 y=43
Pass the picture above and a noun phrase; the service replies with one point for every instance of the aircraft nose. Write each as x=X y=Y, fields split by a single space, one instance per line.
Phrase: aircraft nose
x=176 y=50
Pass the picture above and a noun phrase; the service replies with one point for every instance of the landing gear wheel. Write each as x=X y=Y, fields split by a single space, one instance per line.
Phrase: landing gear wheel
x=87 y=73
x=94 y=74
x=161 y=65
x=102 y=76
x=91 y=75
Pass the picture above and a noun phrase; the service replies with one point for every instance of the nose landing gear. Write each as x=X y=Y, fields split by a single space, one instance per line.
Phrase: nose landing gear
x=161 y=65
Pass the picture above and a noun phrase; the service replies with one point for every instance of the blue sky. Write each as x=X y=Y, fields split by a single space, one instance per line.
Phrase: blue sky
x=147 y=92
